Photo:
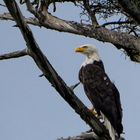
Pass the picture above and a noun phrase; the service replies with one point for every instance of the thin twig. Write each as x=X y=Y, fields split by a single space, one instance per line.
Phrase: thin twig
x=74 y=86
x=15 y=54
x=6 y=16
x=2 y=5
x=116 y=22
x=32 y=21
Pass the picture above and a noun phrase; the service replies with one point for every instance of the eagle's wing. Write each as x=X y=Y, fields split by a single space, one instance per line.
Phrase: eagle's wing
x=102 y=93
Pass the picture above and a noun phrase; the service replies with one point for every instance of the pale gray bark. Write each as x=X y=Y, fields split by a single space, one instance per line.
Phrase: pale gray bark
x=15 y=54
x=121 y=40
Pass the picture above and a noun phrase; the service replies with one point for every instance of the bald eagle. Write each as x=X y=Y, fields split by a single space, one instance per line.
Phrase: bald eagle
x=102 y=93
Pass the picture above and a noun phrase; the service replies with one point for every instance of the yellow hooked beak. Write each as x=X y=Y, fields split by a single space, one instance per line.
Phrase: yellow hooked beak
x=80 y=49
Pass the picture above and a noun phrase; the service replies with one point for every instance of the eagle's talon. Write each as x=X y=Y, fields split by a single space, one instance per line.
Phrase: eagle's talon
x=94 y=112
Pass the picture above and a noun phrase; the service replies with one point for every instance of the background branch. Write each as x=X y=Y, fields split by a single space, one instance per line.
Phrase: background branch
x=131 y=46
x=117 y=22
x=45 y=19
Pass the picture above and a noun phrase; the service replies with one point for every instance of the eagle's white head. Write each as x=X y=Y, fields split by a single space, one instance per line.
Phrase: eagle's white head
x=91 y=53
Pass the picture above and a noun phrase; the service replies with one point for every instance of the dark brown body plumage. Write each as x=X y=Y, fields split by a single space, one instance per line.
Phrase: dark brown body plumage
x=102 y=93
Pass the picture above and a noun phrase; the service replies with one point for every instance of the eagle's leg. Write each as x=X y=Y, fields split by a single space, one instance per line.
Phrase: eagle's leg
x=94 y=112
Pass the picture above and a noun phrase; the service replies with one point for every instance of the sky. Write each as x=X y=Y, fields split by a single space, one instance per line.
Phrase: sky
x=31 y=109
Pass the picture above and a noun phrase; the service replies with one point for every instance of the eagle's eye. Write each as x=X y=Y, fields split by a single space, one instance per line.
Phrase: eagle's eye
x=85 y=47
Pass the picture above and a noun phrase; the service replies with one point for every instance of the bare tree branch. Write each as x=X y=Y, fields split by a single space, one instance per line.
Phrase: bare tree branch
x=86 y=136
x=32 y=21
x=52 y=1
x=6 y=16
x=49 y=72
x=131 y=46
x=74 y=86
x=15 y=54
x=2 y=5
x=117 y=22
x=118 y=38
x=91 y=13
x=83 y=136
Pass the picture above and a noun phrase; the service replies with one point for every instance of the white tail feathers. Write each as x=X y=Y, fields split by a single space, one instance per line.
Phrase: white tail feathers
x=109 y=127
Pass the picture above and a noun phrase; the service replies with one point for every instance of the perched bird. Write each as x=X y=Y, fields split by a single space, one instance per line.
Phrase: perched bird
x=102 y=93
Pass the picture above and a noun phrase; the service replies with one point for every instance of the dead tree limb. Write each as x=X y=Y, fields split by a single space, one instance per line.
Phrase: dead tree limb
x=83 y=136
x=32 y=21
x=45 y=19
x=15 y=54
x=52 y=76
x=131 y=46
